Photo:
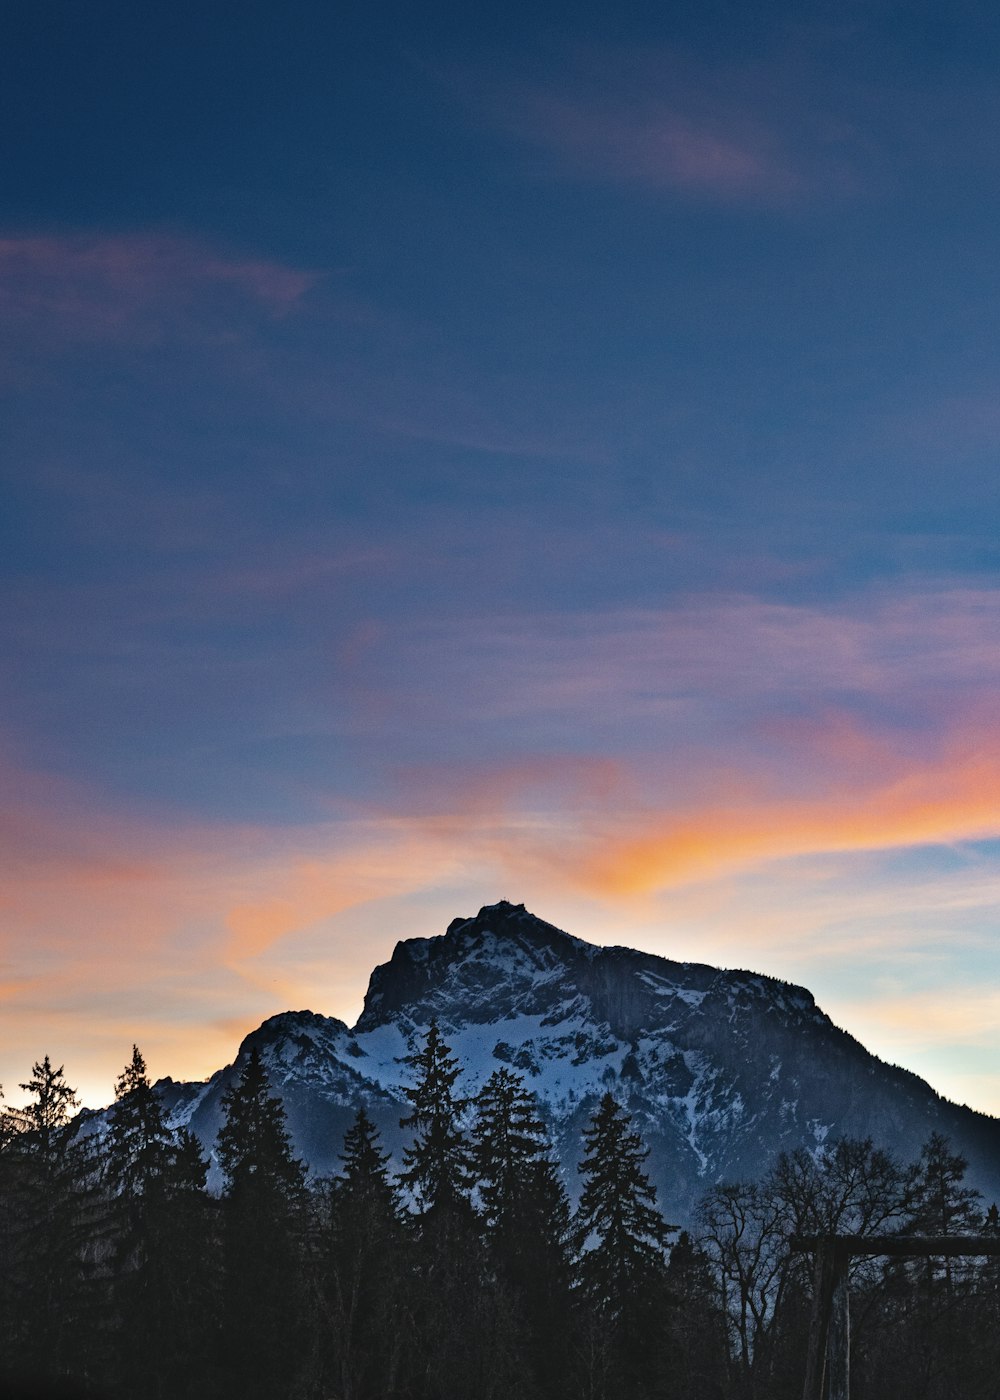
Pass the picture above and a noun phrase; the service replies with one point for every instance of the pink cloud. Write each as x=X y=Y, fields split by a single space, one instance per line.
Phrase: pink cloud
x=661 y=147
x=601 y=829
x=119 y=926
x=107 y=286
x=666 y=670
x=160 y=926
x=758 y=131
x=924 y=803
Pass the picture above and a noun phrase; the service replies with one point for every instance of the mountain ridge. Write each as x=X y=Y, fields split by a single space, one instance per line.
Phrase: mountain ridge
x=720 y=1069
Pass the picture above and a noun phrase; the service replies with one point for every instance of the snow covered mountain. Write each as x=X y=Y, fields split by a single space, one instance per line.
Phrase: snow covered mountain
x=721 y=1070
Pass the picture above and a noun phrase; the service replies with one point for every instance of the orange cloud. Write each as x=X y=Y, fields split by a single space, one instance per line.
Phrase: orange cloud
x=956 y=798
x=118 y=927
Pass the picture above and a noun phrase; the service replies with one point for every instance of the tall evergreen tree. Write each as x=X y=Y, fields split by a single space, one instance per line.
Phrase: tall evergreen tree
x=620 y=1238
x=163 y=1226
x=365 y=1272
x=264 y=1311
x=619 y=1233
x=941 y=1346
x=942 y=1203
x=51 y=1221
x=363 y=1184
x=508 y=1144
x=697 y=1328
x=254 y=1147
x=437 y=1162
x=464 y=1339
x=138 y=1142
x=526 y=1218
x=45 y=1119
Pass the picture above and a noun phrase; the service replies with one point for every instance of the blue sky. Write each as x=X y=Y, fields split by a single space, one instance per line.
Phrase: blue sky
x=549 y=454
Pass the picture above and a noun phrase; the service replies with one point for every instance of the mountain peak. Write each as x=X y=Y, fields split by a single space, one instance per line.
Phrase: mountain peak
x=721 y=1069
x=502 y=913
x=483 y=964
x=509 y=921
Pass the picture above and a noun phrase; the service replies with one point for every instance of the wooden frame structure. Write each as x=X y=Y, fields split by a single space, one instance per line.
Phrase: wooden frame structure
x=829 y=1354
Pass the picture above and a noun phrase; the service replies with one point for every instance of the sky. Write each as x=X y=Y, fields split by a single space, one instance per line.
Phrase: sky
x=449 y=453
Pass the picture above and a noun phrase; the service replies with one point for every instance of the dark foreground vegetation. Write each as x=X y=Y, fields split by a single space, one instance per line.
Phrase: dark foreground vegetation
x=465 y=1277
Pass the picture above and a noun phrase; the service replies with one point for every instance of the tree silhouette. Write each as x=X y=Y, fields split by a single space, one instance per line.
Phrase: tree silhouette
x=139 y=1142
x=163 y=1283
x=526 y=1218
x=620 y=1238
x=365 y=1273
x=263 y=1307
x=50 y=1200
x=437 y=1168
x=619 y=1234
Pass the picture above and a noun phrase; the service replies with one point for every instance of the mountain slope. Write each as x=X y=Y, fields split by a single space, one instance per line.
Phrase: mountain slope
x=720 y=1069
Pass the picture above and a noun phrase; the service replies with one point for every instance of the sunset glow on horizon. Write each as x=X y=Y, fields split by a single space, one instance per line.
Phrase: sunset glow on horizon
x=554 y=457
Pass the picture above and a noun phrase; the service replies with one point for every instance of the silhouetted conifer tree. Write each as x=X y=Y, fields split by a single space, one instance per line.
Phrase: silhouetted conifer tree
x=698 y=1335
x=365 y=1272
x=942 y=1203
x=465 y=1337
x=138 y=1141
x=620 y=1238
x=164 y=1227
x=53 y=1313
x=940 y=1350
x=437 y=1168
x=264 y=1309
x=526 y=1218
x=619 y=1233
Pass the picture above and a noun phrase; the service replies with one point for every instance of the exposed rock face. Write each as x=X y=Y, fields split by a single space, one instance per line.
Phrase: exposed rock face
x=721 y=1070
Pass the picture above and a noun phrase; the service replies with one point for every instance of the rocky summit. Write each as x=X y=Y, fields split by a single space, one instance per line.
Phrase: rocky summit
x=721 y=1070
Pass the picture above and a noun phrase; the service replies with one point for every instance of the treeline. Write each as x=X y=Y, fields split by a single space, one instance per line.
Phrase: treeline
x=467 y=1275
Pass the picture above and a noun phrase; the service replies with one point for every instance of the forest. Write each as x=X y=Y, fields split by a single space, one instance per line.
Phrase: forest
x=468 y=1273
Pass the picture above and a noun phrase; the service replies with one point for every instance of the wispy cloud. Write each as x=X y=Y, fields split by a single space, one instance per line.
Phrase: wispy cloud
x=654 y=144
x=952 y=800
x=914 y=652
x=169 y=927
x=108 y=287
x=706 y=800
x=664 y=120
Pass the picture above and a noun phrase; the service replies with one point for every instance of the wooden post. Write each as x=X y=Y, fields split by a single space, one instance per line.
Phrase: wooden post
x=819 y=1326
x=839 y=1343
x=830 y=1328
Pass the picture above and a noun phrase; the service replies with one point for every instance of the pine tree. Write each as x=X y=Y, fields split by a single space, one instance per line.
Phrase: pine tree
x=619 y=1234
x=525 y=1210
x=264 y=1306
x=189 y=1260
x=254 y=1148
x=188 y=1170
x=437 y=1162
x=363 y=1185
x=464 y=1340
x=139 y=1141
x=46 y=1118
x=943 y=1204
x=697 y=1328
x=49 y=1172
x=365 y=1271
x=508 y=1143
x=163 y=1269
x=526 y=1217
x=620 y=1238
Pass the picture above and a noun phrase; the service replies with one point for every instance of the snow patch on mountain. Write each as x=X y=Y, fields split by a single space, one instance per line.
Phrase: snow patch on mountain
x=721 y=1070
